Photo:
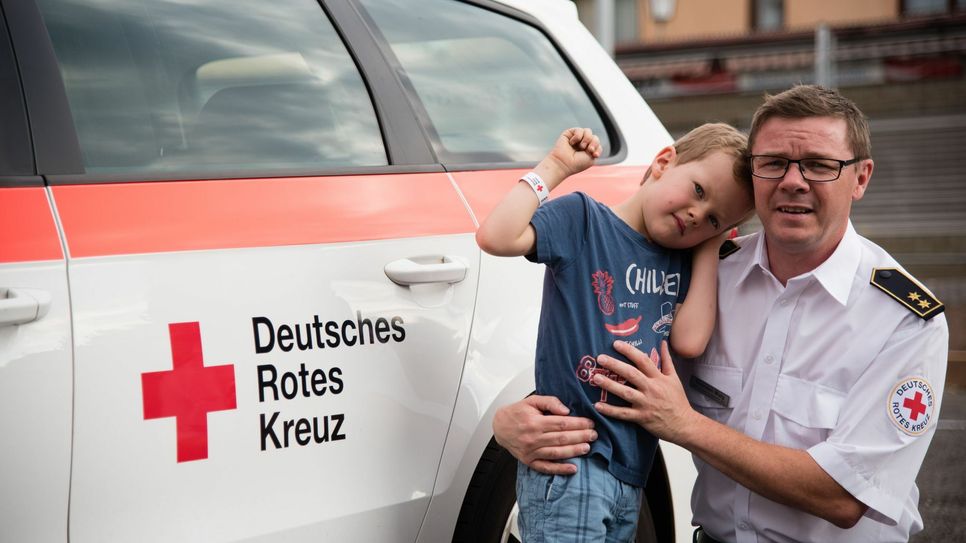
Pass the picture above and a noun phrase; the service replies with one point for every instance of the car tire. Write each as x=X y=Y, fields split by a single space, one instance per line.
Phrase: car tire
x=489 y=512
x=646 y=531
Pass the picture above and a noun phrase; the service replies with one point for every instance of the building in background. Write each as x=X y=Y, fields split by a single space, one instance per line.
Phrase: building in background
x=902 y=61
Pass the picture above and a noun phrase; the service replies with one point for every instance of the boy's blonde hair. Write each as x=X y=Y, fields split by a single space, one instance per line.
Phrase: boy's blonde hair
x=710 y=137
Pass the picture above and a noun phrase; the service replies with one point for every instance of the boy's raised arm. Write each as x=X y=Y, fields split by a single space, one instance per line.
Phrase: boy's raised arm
x=694 y=320
x=507 y=231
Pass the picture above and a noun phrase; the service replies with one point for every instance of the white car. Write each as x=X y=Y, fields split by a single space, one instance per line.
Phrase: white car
x=240 y=296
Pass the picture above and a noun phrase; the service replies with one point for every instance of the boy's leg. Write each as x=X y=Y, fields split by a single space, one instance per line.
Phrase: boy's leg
x=588 y=506
x=627 y=512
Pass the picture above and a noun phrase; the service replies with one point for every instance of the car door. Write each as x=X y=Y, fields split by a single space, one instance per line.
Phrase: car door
x=271 y=290
x=35 y=369
x=35 y=334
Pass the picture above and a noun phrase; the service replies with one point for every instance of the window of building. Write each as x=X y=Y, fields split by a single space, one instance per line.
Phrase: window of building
x=494 y=88
x=927 y=7
x=768 y=15
x=162 y=86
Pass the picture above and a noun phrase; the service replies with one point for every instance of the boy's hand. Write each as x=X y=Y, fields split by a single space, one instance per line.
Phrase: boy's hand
x=713 y=245
x=575 y=150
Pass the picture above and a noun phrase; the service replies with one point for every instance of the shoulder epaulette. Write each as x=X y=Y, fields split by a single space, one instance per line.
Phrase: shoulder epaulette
x=907 y=291
x=727 y=249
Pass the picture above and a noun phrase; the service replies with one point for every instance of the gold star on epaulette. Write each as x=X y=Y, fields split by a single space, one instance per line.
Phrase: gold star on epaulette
x=905 y=290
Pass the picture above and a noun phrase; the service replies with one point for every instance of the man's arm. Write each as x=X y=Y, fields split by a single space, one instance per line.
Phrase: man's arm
x=659 y=404
x=507 y=231
x=538 y=431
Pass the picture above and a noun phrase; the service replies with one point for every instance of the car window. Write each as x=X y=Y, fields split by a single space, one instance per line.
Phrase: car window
x=494 y=88
x=161 y=86
x=15 y=152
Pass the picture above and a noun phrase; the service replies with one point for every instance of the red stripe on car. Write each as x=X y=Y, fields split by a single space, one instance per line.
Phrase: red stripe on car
x=126 y=218
x=608 y=184
x=27 y=229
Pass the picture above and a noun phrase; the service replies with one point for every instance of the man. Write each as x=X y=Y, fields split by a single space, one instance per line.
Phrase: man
x=812 y=408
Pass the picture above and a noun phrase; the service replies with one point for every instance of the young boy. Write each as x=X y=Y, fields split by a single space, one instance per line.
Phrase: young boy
x=616 y=273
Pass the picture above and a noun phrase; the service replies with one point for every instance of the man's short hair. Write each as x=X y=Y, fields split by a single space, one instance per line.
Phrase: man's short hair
x=804 y=101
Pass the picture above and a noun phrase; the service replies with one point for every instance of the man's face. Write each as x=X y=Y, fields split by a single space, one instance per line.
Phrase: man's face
x=803 y=219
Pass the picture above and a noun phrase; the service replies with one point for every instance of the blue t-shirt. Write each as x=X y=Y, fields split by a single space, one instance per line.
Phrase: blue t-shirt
x=604 y=282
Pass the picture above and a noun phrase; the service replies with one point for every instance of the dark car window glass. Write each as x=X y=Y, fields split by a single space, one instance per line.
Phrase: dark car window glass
x=166 y=86
x=15 y=152
x=495 y=88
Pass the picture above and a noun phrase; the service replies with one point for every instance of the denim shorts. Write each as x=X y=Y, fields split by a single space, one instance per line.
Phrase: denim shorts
x=591 y=505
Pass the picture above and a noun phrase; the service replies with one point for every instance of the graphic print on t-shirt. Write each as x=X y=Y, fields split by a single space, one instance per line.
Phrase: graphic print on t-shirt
x=645 y=282
x=626 y=328
x=603 y=284
x=587 y=369
x=663 y=325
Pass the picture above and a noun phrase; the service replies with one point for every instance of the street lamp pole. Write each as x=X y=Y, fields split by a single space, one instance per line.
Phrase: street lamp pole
x=605 y=25
x=824 y=56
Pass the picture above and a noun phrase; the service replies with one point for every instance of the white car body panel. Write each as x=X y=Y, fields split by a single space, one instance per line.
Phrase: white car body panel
x=35 y=409
x=393 y=394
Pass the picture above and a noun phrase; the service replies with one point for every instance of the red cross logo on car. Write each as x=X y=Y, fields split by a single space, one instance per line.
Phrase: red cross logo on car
x=188 y=391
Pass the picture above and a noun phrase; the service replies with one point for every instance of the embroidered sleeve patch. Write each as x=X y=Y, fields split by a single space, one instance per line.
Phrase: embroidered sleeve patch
x=907 y=291
x=911 y=405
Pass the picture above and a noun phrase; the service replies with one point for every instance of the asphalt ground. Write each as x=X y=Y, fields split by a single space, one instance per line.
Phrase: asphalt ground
x=942 y=479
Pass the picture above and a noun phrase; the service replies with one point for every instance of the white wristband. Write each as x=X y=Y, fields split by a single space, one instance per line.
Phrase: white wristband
x=538 y=186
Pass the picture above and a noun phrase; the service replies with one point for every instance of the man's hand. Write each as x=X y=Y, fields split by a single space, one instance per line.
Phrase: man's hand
x=656 y=397
x=574 y=151
x=781 y=474
x=538 y=431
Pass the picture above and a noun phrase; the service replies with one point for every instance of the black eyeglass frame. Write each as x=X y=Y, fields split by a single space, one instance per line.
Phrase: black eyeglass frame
x=801 y=169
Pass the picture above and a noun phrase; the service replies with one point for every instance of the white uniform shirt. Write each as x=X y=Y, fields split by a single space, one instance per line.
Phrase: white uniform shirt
x=814 y=365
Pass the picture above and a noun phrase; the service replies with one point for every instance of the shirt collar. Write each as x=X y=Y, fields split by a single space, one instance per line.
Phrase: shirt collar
x=835 y=274
x=758 y=260
x=838 y=271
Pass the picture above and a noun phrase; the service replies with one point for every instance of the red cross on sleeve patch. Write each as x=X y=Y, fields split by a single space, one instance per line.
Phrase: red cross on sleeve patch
x=911 y=405
x=189 y=391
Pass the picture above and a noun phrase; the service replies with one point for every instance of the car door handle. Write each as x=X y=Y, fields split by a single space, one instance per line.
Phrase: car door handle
x=426 y=269
x=21 y=305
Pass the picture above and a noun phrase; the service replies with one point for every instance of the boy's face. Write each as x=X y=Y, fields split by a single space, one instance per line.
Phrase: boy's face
x=686 y=204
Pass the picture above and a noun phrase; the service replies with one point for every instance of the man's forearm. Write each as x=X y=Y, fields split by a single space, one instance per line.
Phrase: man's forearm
x=784 y=475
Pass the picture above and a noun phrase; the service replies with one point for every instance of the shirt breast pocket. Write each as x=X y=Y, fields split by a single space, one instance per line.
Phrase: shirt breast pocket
x=713 y=390
x=806 y=411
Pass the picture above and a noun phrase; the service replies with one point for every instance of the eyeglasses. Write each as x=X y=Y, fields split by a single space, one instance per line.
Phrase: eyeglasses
x=818 y=170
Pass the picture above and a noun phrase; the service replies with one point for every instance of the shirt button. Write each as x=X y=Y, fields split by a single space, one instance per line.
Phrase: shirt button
x=769 y=359
x=756 y=415
x=743 y=526
x=783 y=302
